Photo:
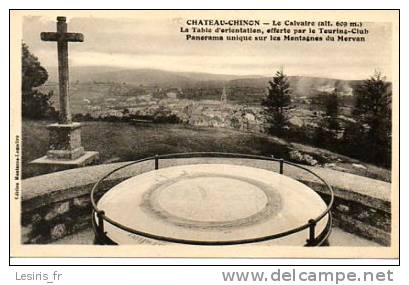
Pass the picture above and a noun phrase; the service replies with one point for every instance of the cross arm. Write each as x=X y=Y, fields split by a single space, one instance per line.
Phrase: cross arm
x=67 y=37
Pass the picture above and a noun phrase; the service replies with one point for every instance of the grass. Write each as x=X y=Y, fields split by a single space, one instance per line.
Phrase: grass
x=121 y=141
x=125 y=141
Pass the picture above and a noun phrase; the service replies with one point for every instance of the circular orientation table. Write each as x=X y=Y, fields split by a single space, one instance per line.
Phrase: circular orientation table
x=211 y=203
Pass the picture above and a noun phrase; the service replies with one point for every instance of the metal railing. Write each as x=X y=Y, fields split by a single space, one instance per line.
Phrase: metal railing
x=313 y=240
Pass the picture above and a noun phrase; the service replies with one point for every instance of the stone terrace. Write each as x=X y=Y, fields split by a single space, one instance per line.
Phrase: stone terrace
x=56 y=205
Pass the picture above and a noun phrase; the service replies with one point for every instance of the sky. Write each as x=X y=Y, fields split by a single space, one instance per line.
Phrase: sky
x=156 y=42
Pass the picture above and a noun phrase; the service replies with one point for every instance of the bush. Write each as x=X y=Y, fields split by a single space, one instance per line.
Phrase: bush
x=35 y=105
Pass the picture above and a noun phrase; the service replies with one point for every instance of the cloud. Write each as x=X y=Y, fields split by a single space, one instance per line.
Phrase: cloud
x=155 y=42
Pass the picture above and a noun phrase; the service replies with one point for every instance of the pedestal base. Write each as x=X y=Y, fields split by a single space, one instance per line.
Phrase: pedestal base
x=65 y=141
x=46 y=164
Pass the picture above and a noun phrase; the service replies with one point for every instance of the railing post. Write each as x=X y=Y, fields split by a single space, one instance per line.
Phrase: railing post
x=156 y=162
x=100 y=216
x=311 y=240
x=281 y=166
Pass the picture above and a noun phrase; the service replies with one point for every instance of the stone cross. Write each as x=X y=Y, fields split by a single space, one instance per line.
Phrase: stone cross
x=64 y=144
x=62 y=37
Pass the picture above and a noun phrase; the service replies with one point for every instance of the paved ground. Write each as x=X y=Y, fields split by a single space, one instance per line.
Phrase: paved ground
x=338 y=238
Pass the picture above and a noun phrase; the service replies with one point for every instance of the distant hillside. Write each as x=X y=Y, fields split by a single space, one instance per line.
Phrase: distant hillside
x=301 y=85
x=140 y=76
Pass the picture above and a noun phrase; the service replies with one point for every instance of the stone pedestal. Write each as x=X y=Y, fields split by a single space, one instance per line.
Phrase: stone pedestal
x=65 y=141
x=65 y=150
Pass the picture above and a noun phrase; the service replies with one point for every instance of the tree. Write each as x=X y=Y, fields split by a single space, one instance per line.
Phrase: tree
x=331 y=104
x=35 y=104
x=351 y=141
x=277 y=102
x=373 y=111
x=326 y=133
